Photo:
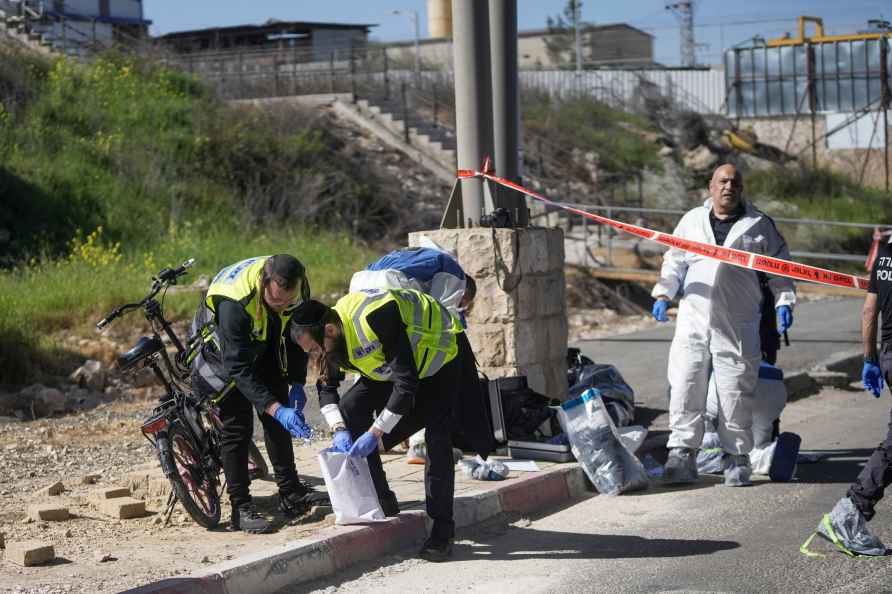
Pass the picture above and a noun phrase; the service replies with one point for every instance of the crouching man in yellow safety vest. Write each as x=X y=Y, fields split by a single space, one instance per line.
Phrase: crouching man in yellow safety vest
x=409 y=352
x=244 y=360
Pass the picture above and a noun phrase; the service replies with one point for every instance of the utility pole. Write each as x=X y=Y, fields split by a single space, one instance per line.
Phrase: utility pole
x=685 y=13
x=506 y=105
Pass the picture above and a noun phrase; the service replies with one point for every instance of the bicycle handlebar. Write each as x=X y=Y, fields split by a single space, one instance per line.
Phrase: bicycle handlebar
x=171 y=275
x=167 y=276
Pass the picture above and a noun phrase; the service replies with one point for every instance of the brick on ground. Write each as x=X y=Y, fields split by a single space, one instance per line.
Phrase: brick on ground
x=123 y=508
x=110 y=493
x=48 y=512
x=51 y=490
x=29 y=552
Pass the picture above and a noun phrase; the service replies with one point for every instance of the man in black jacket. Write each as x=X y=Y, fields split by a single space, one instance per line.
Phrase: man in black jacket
x=409 y=352
x=248 y=360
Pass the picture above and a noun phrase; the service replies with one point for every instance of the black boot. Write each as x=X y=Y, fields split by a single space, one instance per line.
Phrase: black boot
x=293 y=505
x=246 y=519
x=436 y=550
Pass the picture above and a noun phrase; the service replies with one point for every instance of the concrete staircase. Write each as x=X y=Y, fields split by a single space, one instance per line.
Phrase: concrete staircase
x=25 y=27
x=432 y=146
x=19 y=31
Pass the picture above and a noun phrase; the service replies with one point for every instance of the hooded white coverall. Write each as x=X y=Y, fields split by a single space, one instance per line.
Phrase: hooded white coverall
x=717 y=329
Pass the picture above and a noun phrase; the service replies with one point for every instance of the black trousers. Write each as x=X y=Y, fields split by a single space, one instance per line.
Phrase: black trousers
x=868 y=488
x=237 y=415
x=433 y=413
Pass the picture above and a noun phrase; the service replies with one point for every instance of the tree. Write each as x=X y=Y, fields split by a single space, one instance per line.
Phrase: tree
x=560 y=41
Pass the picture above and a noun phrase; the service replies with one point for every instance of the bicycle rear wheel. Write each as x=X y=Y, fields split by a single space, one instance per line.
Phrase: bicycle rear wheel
x=195 y=489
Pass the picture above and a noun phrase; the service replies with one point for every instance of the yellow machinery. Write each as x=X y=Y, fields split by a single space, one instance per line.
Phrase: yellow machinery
x=819 y=36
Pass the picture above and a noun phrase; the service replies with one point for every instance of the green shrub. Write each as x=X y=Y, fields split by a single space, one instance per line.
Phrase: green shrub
x=824 y=195
x=116 y=168
x=138 y=149
x=39 y=298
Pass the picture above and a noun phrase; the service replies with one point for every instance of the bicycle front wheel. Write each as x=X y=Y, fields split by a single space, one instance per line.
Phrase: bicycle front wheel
x=192 y=484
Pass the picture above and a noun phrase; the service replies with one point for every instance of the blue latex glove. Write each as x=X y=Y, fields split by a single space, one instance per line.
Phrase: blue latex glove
x=872 y=377
x=342 y=441
x=297 y=398
x=365 y=445
x=659 y=310
x=784 y=318
x=293 y=421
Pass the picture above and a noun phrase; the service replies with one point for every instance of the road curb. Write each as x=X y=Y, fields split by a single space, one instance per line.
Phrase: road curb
x=837 y=371
x=339 y=547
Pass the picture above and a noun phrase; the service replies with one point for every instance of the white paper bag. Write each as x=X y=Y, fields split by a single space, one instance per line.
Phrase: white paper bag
x=350 y=488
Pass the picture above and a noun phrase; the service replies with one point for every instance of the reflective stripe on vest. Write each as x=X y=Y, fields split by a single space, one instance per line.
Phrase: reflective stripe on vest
x=241 y=282
x=433 y=340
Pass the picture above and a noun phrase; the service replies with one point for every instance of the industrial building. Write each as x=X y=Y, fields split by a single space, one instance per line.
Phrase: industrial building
x=76 y=27
x=314 y=40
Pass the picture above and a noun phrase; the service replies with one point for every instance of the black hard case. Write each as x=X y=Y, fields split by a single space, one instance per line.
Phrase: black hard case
x=525 y=450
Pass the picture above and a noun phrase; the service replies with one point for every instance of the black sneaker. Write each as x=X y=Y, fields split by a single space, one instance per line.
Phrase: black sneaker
x=389 y=505
x=436 y=550
x=246 y=519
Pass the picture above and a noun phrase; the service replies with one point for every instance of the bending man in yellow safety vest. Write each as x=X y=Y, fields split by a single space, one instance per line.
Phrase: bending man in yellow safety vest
x=246 y=361
x=408 y=351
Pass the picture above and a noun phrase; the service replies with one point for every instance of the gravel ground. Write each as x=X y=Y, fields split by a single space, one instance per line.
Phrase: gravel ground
x=105 y=441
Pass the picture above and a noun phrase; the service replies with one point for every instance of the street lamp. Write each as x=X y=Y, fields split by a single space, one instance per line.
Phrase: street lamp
x=412 y=15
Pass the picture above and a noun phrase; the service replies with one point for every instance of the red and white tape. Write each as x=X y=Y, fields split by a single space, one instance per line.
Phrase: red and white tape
x=735 y=257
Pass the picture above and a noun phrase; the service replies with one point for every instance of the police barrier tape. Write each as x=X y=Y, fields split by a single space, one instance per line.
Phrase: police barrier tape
x=735 y=257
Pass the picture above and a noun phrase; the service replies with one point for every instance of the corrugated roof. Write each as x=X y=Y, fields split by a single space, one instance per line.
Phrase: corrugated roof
x=271 y=25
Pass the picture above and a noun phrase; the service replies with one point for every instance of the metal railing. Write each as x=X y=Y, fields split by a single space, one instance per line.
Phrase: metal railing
x=595 y=235
x=70 y=34
x=276 y=72
x=419 y=100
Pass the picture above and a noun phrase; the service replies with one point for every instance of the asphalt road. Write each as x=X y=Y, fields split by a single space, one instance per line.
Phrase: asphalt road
x=705 y=538
x=820 y=329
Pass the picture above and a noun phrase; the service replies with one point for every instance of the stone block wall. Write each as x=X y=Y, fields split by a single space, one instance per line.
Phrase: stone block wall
x=518 y=322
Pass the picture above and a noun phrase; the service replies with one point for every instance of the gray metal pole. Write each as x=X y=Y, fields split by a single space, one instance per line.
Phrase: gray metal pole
x=473 y=98
x=578 y=41
x=506 y=103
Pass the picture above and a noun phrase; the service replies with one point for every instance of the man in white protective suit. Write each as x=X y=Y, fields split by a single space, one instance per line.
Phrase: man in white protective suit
x=717 y=328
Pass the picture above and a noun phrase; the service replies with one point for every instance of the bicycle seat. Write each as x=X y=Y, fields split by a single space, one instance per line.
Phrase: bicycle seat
x=145 y=347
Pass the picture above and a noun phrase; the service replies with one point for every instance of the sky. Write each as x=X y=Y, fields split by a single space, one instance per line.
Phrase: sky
x=717 y=23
